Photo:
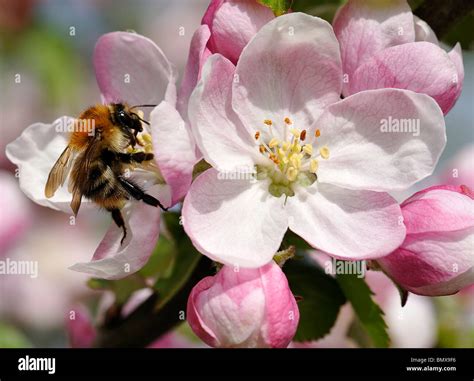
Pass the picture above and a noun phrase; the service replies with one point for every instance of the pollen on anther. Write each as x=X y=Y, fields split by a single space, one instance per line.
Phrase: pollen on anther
x=273 y=143
x=324 y=152
x=268 y=122
x=274 y=159
x=257 y=135
x=303 y=135
x=308 y=149
x=288 y=121
x=317 y=133
x=261 y=148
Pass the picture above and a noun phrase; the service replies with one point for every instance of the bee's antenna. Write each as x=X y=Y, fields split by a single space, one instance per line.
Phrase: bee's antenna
x=142 y=106
x=144 y=121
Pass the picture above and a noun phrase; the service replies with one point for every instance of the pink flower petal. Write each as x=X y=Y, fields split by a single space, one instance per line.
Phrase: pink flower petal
x=81 y=331
x=174 y=148
x=456 y=57
x=433 y=264
x=220 y=135
x=131 y=68
x=235 y=222
x=366 y=152
x=244 y=308
x=16 y=212
x=422 y=67
x=234 y=24
x=198 y=54
x=346 y=224
x=364 y=28
x=114 y=261
x=282 y=314
x=291 y=68
x=422 y=211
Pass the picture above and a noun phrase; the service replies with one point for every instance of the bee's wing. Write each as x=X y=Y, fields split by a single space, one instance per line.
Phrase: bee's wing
x=59 y=172
x=76 y=201
x=80 y=175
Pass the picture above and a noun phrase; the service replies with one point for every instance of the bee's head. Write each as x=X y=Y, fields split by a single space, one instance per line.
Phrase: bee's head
x=126 y=118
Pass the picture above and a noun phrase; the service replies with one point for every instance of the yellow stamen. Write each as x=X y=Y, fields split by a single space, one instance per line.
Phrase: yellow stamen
x=308 y=149
x=296 y=147
x=295 y=132
x=286 y=146
x=268 y=122
x=288 y=121
x=273 y=143
x=295 y=161
x=324 y=152
x=291 y=174
x=313 y=166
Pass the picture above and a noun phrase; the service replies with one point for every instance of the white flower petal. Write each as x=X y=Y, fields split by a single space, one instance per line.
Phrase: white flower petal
x=345 y=223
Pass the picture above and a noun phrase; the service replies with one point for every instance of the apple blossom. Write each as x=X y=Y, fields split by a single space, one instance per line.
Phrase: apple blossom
x=383 y=45
x=80 y=329
x=227 y=27
x=129 y=68
x=437 y=256
x=244 y=308
x=16 y=213
x=304 y=159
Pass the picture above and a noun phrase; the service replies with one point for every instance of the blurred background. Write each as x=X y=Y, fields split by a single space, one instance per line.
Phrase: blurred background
x=46 y=71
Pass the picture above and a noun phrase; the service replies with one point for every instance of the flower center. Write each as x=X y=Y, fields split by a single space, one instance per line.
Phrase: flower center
x=295 y=162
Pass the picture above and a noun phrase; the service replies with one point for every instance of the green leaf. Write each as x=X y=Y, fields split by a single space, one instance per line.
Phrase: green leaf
x=321 y=298
x=326 y=9
x=185 y=261
x=368 y=312
x=11 y=337
x=162 y=259
x=278 y=7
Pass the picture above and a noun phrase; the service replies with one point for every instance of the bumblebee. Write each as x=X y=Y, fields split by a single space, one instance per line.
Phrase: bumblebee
x=100 y=149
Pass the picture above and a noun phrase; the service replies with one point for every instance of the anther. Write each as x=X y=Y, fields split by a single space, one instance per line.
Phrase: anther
x=324 y=152
x=273 y=143
x=308 y=149
x=257 y=135
x=268 y=122
x=288 y=121
x=303 y=135
x=317 y=133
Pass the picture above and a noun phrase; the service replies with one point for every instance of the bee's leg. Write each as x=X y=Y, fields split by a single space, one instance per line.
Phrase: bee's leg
x=139 y=194
x=137 y=157
x=118 y=219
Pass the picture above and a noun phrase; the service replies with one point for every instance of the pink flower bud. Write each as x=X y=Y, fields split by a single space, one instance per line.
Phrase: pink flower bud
x=437 y=256
x=233 y=23
x=244 y=308
x=80 y=328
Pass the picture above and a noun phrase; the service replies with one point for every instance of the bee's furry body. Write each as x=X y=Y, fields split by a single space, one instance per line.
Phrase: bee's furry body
x=97 y=158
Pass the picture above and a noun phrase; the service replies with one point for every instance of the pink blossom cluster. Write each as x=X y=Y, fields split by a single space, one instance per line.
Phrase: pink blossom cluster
x=288 y=113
